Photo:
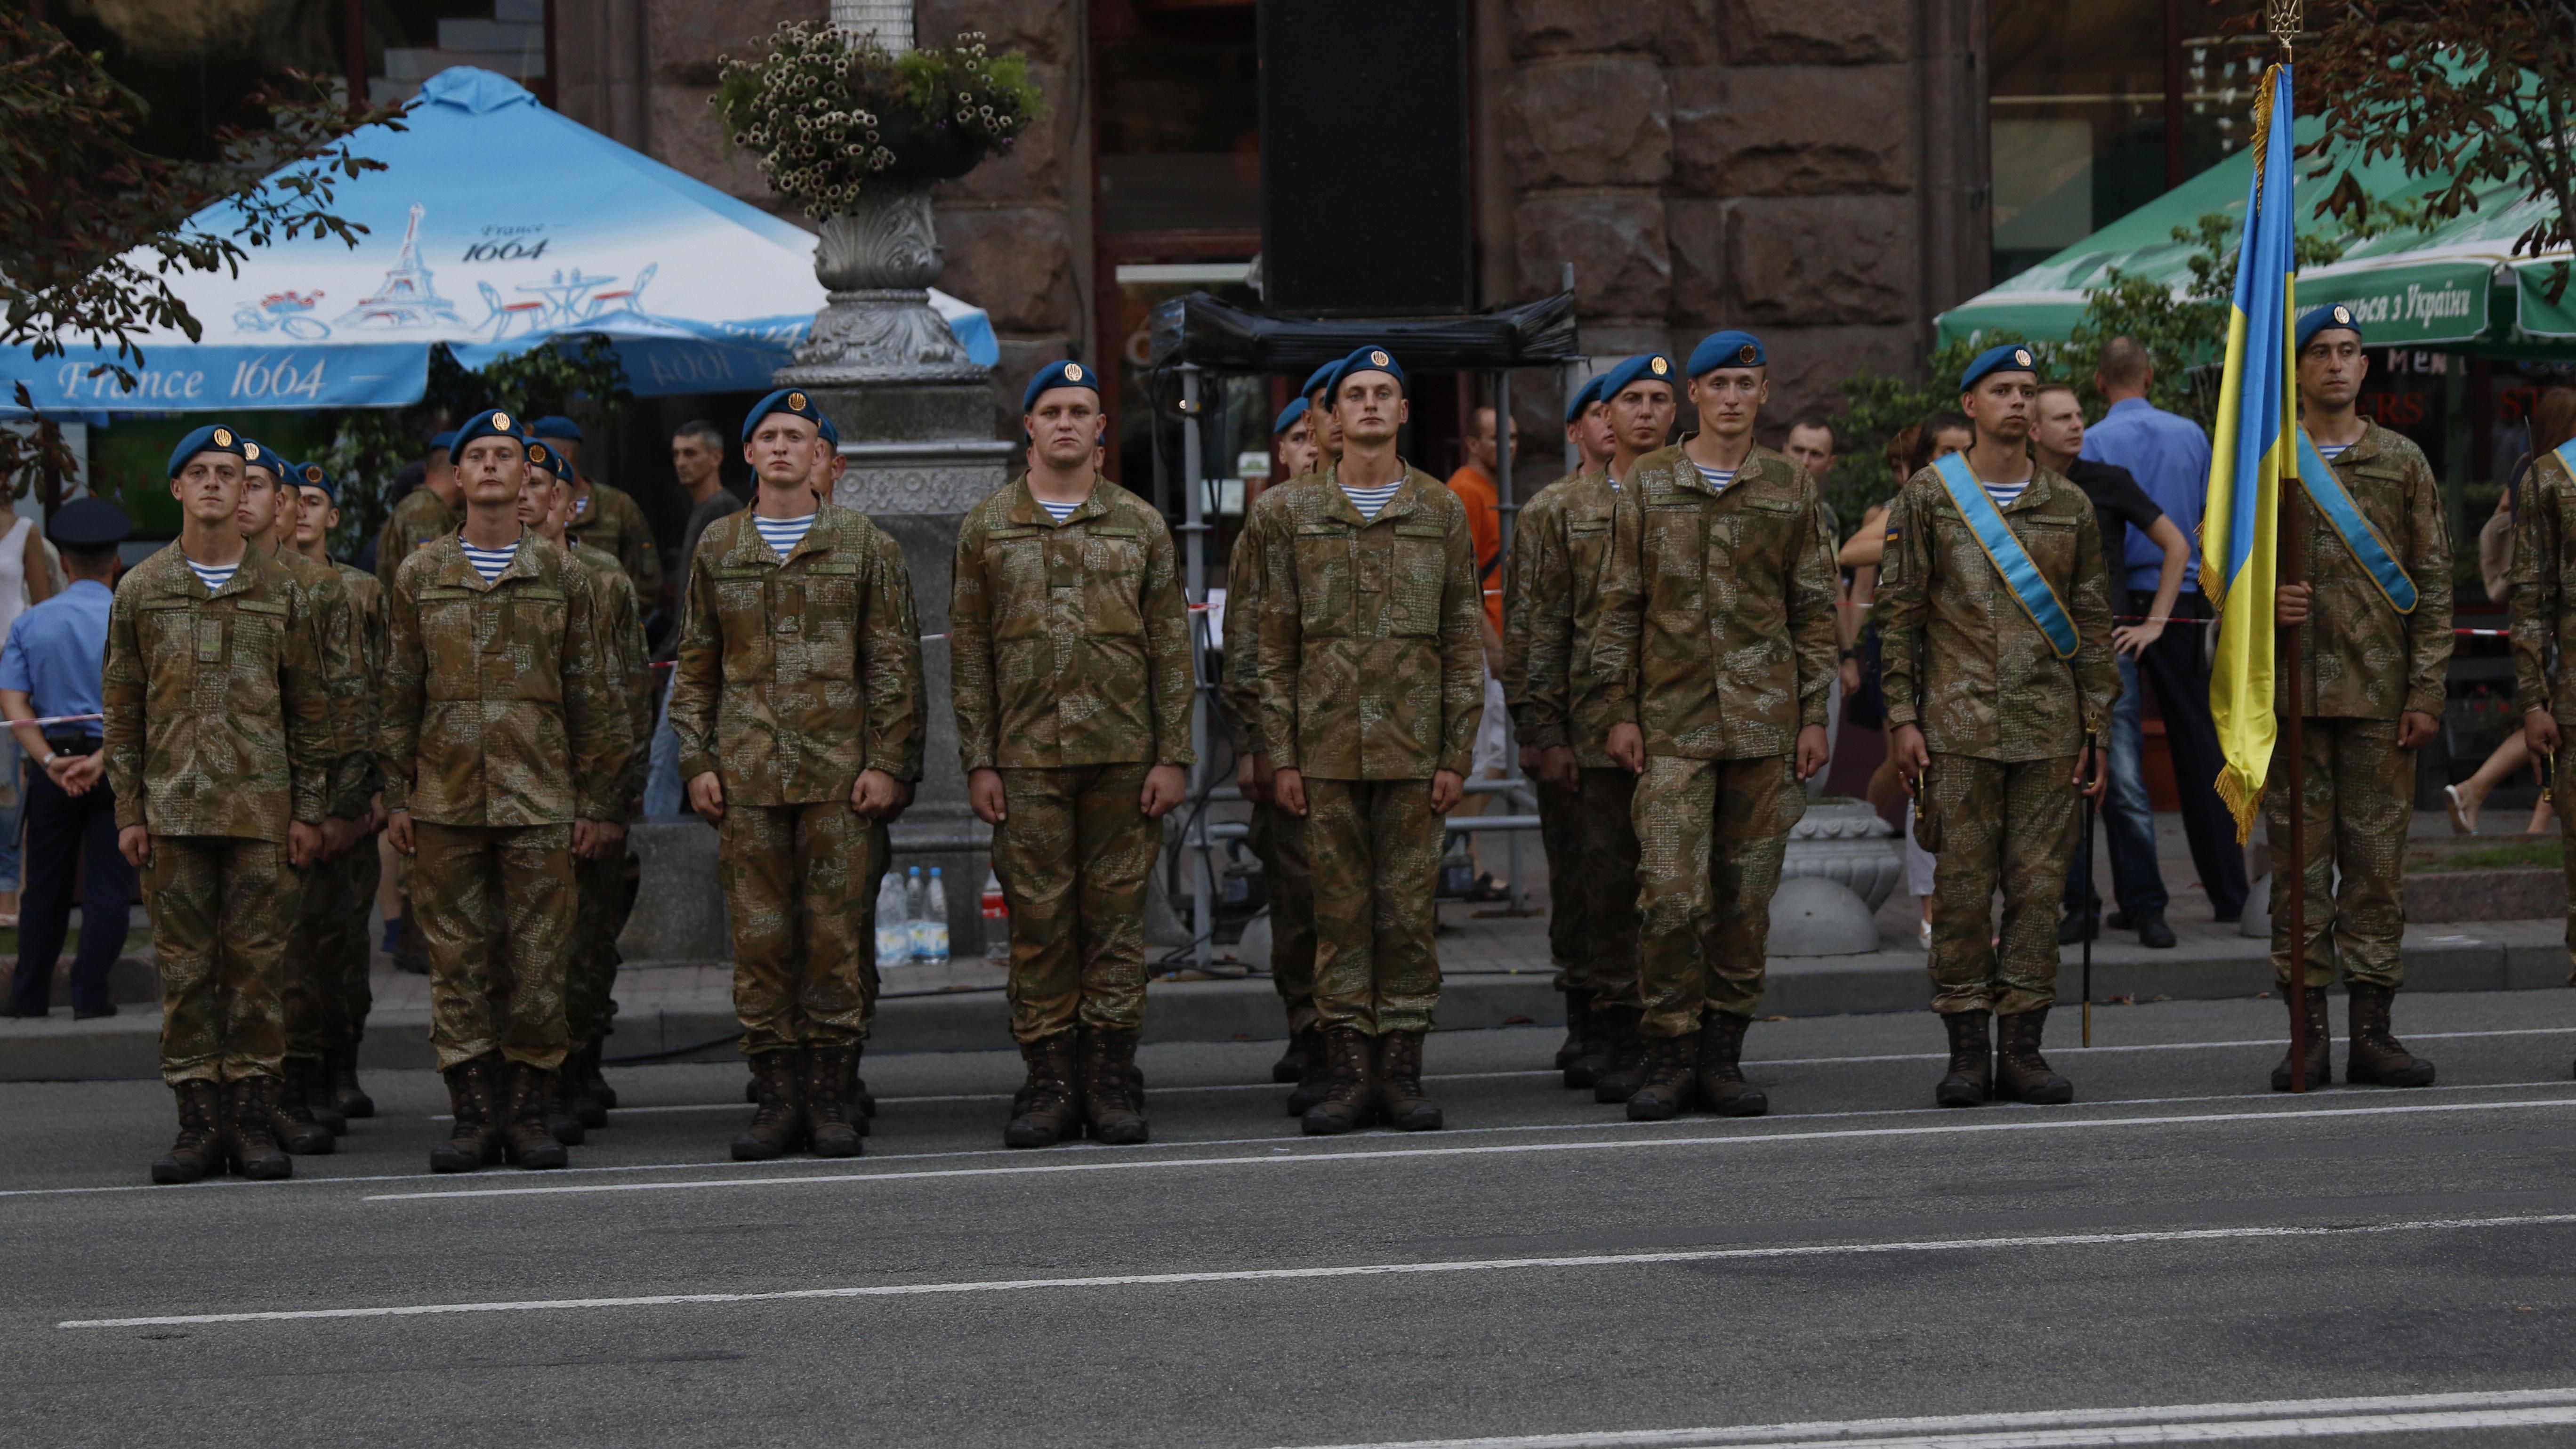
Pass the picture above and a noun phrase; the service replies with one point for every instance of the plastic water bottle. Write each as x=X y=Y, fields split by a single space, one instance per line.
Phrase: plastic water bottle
x=894 y=931
x=997 y=920
x=912 y=912
x=930 y=928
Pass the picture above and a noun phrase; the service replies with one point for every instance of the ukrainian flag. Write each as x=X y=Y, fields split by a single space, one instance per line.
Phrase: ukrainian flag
x=2255 y=449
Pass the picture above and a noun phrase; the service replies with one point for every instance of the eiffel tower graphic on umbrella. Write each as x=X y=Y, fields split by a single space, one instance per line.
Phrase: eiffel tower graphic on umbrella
x=407 y=297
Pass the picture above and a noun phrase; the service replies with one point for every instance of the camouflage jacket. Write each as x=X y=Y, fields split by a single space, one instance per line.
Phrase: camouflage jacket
x=500 y=709
x=367 y=608
x=2544 y=589
x=622 y=631
x=218 y=715
x=1371 y=663
x=1961 y=658
x=419 y=518
x=611 y=522
x=1717 y=608
x=1069 y=643
x=1236 y=697
x=796 y=674
x=353 y=710
x=2358 y=657
x=1551 y=610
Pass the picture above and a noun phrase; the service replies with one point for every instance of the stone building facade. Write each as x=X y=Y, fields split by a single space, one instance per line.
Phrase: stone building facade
x=1810 y=169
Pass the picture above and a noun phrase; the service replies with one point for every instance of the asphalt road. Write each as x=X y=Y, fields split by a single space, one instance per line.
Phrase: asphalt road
x=2181 y=1257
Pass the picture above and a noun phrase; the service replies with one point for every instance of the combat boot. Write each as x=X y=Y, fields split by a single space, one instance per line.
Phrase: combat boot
x=200 y=1148
x=526 y=1137
x=472 y=1138
x=1625 y=1073
x=597 y=1080
x=1291 y=1066
x=778 y=1126
x=1593 y=1054
x=1044 y=1112
x=310 y=1079
x=1109 y=1086
x=2320 y=1042
x=827 y=1101
x=1399 y=1084
x=854 y=1089
x=1972 y=1061
x=1722 y=1087
x=1350 y=1088
x=2023 y=1074
x=1578 y=1011
x=579 y=1099
x=290 y=1115
x=2372 y=1056
x=251 y=1107
x=563 y=1120
x=1316 y=1071
x=346 y=1094
x=1671 y=1064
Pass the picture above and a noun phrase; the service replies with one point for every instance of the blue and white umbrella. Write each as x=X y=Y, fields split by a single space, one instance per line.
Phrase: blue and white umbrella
x=496 y=225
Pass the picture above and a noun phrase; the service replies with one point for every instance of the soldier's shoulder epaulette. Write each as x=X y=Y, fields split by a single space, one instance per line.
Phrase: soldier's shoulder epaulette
x=2398 y=451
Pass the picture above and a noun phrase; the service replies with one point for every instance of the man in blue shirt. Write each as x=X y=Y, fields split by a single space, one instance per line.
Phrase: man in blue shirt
x=51 y=667
x=2169 y=456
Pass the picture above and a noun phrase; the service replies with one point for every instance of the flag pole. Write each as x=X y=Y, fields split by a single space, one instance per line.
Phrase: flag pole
x=2281 y=17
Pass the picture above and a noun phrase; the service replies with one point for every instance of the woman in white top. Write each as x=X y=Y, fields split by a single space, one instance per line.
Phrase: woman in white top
x=25 y=581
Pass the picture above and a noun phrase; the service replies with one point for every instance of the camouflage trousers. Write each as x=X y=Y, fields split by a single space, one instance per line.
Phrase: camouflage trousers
x=1557 y=830
x=603 y=897
x=1374 y=849
x=2009 y=827
x=798 y=884
x=2360 y=797
x=494 y=907
x=327 y=953
x=1278 y=841
x=1710 y=838
x=1600 y=891
x=220 y=912
x=1074 y=856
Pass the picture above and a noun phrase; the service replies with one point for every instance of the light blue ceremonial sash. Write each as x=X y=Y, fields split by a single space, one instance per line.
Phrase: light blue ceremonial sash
x=1986 y=523
x=2567 y=457
x=2363 y=540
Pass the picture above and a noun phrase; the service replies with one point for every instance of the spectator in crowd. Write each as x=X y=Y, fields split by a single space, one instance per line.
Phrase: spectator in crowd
x=52 y=667
x=2119 y=505
x=1476 y=485
x=25 y=580
x=1810 y=445
x=2169 y=458
x=697 y=459
x=2553 y=422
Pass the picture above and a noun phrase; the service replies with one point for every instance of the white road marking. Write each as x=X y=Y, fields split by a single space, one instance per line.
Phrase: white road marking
x=1123 y=1163
x=2176 y=1423
x=1356 y=1270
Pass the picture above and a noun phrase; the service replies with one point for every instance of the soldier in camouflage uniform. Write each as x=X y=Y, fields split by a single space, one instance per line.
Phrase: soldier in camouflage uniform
x=309 y=1116
x=1985 y=715
x=606 y=518
x=339 y=892
x=2370 y=690
x=801 y=716
x=1276 y=838
x=2544 y=622
x=1714 y=651
x=426 y=514
x=605 y=882
x=1069 y=641
x=502 y=746
x=1371 y=682
x=220 y=751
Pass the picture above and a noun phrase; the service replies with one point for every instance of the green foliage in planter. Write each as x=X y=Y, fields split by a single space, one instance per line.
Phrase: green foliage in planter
x=824 y=116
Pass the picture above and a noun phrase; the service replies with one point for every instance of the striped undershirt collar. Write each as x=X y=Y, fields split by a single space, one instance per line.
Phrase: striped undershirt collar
x=489 y=562
x=783 y=534
x=1370 y=500
x=213 y=576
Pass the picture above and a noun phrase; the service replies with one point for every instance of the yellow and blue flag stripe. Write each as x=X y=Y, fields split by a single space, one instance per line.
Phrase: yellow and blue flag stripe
x=2255 y=449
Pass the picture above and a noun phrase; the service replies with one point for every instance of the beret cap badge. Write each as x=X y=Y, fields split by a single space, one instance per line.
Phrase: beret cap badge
x=223 y=437
x=1747 y=352
x=796 y=401
x=312 y=472
x=1378 y=358
x=2022 y=356
x=1073 y=372
x=501 y=420
x=250 y=452
x=2342 y=313
x=1659 y=367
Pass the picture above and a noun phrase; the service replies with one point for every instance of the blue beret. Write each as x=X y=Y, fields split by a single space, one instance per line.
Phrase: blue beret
x=489 y=423
x=1726 y=349
x=1645 y=367
x=1583 y=398
x=443 y=442
x=1368 y=359
x=256 y=454
x=91 y=523
x=2333 y=316
x=551 y=459
x=2007 y=357
x=1067 y=373
x=831 y=434
x=1288 y=416
x=214 y=438
x=1320 y=378
x=789 y=400
x=555 y=426
x=314 y=475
